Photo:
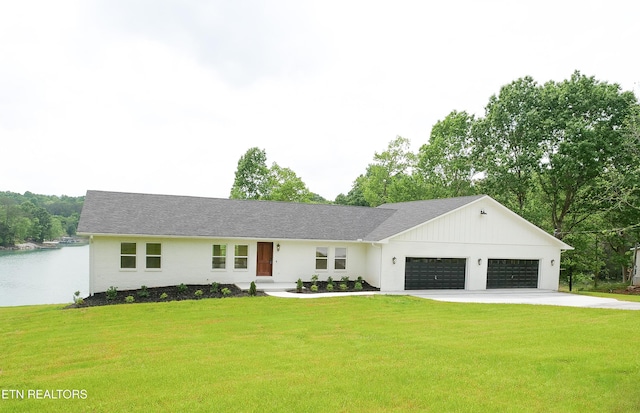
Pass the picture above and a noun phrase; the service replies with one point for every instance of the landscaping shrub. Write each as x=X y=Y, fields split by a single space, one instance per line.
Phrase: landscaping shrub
x=163 y=296
x=344 y=286
x=252 y=289
x=77 y=299
x=329 y=287
x=314 y=288
x=182 y=288
x=129 y=299
x=198 y=293
x=299 y=285
x=357 y=286
x=226 y=291
x=215 y=287
x=112 y=293
x=143 y=292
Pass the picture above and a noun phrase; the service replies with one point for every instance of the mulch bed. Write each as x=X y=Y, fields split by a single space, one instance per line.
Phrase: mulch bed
x=322 y=287
x=174 y=293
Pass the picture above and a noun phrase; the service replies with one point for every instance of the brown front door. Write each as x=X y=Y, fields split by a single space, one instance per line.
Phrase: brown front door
x=265 y=259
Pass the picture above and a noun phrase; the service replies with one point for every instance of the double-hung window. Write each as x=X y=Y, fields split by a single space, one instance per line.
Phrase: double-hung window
x=219 y=259
x=340 y=260
x=128 y=255
x=322 y=255
x=154 y=255
x=241 y=257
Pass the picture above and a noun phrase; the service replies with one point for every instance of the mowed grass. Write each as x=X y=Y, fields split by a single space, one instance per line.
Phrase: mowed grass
x=346 y=354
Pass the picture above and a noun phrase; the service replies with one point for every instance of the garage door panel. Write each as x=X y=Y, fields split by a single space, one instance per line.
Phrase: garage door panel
x=434 y=273
x=509 y=273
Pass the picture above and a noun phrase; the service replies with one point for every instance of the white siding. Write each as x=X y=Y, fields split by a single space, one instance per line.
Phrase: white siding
x=188 y=260
x=466 y=233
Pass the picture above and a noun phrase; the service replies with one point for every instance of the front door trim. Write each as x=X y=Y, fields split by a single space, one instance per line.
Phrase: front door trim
x=264 y=264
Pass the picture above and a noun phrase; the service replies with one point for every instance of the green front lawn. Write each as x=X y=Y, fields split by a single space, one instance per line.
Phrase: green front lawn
x=367 y=353
x=621 y=297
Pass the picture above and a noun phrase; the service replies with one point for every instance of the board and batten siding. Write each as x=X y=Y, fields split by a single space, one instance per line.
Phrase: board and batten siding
x=188 y=260
x=466 y=233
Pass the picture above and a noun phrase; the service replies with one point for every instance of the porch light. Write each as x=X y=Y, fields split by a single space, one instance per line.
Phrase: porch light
x=483 y=212
x=393 y=260
x=278 y=246
x=553 y=262
x=479 y=261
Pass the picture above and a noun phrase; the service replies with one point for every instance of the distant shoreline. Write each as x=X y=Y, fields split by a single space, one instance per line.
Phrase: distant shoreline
x=27 y=246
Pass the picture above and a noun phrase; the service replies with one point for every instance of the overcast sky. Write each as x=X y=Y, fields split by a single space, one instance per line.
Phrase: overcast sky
x=163 y=96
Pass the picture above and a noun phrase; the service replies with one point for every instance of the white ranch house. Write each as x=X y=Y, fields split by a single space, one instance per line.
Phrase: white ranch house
x=471 y=243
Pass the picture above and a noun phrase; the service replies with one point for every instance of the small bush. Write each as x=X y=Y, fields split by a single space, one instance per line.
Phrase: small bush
x=215 y=287
x=252 y=289
x=112 y=293
x=314 y=279
x=299 y=285
x=225 y=291
x=345 y=279
x=329 y=287
x=182 y=288
x=129 y=299
x=198 y=293
x=357 y=286
x=360 y=279
x=344 y=286
x=330 y=280
x=314 y=288
x=163 y=296
x=143 y=292
x=77 y=299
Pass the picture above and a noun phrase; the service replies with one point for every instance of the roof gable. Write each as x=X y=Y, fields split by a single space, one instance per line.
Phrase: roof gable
x=414 y=213
x=482 y=221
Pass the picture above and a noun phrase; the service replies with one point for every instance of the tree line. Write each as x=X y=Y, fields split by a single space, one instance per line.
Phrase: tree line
x=32 y=217
x=563 y=155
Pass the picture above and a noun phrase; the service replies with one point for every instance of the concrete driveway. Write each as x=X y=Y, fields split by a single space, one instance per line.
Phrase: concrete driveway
x=523 y=296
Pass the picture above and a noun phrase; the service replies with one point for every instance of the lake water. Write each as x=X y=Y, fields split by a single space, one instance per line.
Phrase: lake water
x=47 y=276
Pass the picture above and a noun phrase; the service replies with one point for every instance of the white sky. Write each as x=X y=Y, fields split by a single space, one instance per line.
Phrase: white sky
x=164 y=96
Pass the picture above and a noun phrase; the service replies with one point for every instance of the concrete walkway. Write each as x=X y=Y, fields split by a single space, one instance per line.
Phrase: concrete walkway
x=523 y=296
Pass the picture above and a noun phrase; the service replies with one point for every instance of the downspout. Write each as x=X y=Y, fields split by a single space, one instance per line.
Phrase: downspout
x=91 y=265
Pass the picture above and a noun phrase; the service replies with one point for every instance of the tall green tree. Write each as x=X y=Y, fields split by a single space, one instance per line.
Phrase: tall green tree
x=254 y=180
x=445 y=164
x=252 y=175
x=355 y=196
x=285 y=185
x=388 y=178
x=583 y=123
x=507 y=143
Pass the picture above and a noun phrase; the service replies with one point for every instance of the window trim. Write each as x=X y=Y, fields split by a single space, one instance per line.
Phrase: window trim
x=147 y=256
x=335 y=258
x=320 y=258
x=236 y=256
x=226 y=251
x=134 y=255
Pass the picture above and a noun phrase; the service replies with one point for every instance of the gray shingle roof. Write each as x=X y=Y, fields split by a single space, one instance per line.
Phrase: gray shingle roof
x=169 y=215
